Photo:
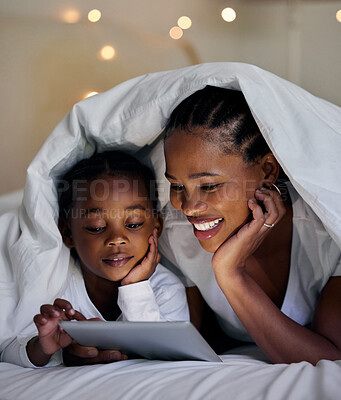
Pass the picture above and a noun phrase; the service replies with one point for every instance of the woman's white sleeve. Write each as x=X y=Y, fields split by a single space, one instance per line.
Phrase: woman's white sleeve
x=15 y=353
x=161 y=298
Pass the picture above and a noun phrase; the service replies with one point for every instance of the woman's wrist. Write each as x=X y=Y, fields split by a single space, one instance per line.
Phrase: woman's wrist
x=36 y=353
x=231 y=279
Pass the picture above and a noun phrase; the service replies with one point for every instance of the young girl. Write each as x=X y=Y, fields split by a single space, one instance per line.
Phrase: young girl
x=109 y=220
x=276 y=272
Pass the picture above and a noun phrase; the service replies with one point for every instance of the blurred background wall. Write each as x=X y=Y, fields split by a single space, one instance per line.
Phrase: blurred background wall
x=51 y=55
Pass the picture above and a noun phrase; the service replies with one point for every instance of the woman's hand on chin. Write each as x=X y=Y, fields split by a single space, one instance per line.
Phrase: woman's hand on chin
x=230 y=258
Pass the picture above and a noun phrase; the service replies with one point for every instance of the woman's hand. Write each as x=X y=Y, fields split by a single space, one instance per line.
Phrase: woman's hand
x=146 y=268
x=231 y=256
x=282 y=339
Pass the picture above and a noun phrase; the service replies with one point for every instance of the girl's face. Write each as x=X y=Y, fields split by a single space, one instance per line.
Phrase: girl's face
x=210 y=187
x=110 y=225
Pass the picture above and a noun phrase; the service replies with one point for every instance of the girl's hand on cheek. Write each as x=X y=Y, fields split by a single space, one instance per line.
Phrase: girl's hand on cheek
x=146 y=268
x=230 y=258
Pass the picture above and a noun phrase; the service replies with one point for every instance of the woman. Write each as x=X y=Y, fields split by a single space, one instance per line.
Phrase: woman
x=269 y=248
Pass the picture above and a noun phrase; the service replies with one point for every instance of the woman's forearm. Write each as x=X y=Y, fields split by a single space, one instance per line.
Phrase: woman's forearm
x=280 y=338
x=195 y=306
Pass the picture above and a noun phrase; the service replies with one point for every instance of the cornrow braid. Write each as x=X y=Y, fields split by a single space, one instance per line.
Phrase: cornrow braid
x=226 y=120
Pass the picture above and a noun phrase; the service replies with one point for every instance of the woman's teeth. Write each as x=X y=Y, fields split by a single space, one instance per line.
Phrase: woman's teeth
x=208 y=225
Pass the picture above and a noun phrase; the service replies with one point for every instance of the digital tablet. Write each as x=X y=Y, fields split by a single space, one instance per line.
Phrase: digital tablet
x=152 y=340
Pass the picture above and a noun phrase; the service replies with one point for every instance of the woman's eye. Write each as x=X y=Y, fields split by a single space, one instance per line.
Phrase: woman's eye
x=177 y=188
x=95 y=229
x=209 y=188
x=134 y=226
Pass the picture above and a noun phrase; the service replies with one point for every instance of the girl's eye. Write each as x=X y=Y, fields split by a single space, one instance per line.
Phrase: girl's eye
x=134 y=226
x=209 y=188
x=95 y=229
x=177 y=188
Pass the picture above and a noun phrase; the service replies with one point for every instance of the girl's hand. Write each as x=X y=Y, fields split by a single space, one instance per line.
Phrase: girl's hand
x=75 y=354
x=146 y=268
x=51 y=336
x=231 y=256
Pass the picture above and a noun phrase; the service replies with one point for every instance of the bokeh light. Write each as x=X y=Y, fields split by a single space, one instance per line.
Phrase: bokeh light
x=184 y=22
x=90 y=94
x=338 y=16
x=175 y=33
x=107 y=52
x=228 y=14
x=71 y=16
x=94 y=15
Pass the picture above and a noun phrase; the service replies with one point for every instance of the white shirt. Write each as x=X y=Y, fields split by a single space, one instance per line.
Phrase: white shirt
x=161 y=298
x=315 y=257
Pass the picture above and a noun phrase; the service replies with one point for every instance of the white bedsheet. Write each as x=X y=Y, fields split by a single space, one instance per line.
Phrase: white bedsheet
x=239 y=377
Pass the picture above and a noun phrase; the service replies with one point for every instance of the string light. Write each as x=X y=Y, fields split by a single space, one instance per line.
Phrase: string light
x=338 y=16
x=107 y=52
x=71 y=16
x=184 y=22
x=94 y=15
x=228 y=14
x=176 y=32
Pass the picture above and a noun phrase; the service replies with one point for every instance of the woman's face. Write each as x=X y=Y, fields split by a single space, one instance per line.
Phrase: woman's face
x=210 y=187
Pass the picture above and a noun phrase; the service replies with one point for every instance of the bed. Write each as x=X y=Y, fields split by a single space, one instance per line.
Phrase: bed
x=244 y=374
x=30 y=235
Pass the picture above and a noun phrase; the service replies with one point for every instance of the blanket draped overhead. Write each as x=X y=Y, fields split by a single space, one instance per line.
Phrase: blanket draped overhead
x=303 y=131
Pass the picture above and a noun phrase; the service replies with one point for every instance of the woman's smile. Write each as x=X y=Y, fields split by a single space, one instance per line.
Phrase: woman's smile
x=205 y=228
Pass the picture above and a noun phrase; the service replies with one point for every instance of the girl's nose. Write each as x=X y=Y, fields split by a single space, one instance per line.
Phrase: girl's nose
x=116 y=242
x=116 y=239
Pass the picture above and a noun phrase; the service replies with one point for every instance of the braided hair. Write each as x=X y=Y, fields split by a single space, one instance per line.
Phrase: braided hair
x=225 y=119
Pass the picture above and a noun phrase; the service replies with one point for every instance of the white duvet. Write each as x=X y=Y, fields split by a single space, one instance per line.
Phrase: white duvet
x=304 y=133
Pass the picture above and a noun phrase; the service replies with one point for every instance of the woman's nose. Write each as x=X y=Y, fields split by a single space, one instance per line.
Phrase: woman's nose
x=192 y=205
